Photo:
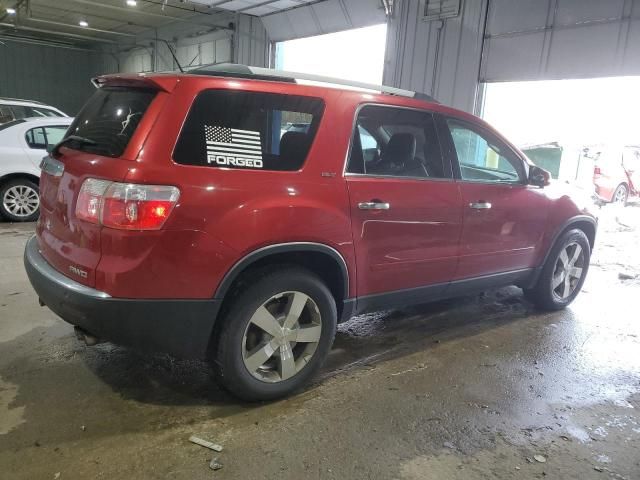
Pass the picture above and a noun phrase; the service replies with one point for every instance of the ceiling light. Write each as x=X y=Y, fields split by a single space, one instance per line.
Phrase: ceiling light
x=132 y=3
x=11 y=11
x=83 y=23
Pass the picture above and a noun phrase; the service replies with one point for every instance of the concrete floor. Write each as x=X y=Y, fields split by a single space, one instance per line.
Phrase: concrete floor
x=473 y=388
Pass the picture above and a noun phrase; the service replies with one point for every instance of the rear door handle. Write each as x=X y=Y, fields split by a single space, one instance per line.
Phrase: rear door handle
x=480 y=205
x=375 y=205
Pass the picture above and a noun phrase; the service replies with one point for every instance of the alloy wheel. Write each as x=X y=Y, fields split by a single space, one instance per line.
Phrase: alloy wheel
x=620 y=195
x=282 y=336
x=21 y=200
x=568 y=271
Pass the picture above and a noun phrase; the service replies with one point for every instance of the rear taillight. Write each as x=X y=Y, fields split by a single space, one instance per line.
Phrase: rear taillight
x=126 y=206
x=596 y=171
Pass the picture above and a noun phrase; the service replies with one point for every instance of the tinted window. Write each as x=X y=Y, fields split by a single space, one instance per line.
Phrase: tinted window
x=6 y=115
x=110 y=119
x=233 y=129
x=9 y=124
x=396 y=142
x=482 y=158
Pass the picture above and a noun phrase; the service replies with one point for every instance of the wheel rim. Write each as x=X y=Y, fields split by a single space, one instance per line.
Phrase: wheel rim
x=21 y=201
x=282 y=336
x=620 y=196
x=568 y=271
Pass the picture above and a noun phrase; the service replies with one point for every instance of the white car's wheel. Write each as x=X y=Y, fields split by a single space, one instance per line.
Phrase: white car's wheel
x=20 y=200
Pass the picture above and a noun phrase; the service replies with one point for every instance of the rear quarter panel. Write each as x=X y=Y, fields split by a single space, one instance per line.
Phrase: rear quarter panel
x=224 y=214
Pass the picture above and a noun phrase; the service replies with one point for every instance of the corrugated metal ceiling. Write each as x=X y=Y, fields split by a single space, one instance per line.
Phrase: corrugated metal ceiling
x=109 y=21
x=254 y=7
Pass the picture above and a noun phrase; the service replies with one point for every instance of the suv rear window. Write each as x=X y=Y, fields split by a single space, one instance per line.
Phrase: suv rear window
x=109 y=119
x=249 y=130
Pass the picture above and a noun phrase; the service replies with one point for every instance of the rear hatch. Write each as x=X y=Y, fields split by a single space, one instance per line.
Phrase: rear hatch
x=108 y=134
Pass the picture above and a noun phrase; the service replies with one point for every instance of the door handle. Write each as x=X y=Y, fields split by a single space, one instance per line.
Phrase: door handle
x=480 y=205
x=374 y=205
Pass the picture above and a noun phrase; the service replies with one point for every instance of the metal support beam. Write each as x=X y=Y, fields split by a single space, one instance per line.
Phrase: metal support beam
x=68 y=25
x=162 y=16
x=262 y=4
x=56 y=32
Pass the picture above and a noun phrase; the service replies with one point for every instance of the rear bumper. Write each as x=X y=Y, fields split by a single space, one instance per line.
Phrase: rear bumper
x=178 y=327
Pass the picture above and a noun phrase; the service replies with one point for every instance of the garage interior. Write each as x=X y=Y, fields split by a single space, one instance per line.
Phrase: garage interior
x=483 y=386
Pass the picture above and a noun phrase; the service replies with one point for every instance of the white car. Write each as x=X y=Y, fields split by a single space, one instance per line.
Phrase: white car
x=16 y=109
x=23 y=143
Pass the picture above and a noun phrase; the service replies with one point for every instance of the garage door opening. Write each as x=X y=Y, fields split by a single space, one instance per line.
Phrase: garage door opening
x=573 y=128
x=356 y=54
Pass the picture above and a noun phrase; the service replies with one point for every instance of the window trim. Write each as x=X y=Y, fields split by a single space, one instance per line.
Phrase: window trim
x=44 y=134
x=245 y=170
x=446 y=162
x=480 y=131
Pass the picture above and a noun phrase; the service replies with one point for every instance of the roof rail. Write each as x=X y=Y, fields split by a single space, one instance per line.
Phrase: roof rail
x=8 y=99
x=258 y=73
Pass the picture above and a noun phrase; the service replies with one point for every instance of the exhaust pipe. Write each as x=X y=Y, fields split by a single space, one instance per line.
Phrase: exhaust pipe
x=87 y=338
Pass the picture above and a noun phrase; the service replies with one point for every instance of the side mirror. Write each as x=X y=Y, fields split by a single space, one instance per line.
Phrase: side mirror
x=539 y=177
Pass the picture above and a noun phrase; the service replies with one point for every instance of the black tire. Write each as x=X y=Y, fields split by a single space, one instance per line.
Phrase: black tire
x=7 y=189
x=229 y=343
x=620 y=195
x=542 y=294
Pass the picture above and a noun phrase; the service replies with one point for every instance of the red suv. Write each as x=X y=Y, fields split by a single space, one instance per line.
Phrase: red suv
x=181 y=214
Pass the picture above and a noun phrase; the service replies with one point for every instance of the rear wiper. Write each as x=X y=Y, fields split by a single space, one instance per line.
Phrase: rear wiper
x=72 y=138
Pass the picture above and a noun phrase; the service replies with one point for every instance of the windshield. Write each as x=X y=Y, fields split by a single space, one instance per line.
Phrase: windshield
x=110 y=118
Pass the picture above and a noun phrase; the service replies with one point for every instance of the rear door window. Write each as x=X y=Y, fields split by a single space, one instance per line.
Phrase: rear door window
x=249 y=130
x=396 y=142
x=43 y=137
x=54 y=134
x=109 y=119
x=36 y=139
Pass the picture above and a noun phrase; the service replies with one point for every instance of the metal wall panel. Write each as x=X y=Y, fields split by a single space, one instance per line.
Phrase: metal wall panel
x=558 y=39
x=323 y=17
x=190 y=52
x=57 y=76
x=251 y=42
x=441 y=58
x=248 y=44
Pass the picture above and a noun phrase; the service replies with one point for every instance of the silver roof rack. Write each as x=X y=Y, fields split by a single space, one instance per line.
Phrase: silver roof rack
x=258 y=73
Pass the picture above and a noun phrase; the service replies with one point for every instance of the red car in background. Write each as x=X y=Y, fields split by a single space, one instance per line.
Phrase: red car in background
x=616 y=173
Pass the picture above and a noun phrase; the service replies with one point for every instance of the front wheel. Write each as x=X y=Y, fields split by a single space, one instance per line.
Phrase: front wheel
x=275 y=335
x=563 y=273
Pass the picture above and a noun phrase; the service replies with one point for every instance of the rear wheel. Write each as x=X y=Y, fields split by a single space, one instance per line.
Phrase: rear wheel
x=275 y=335
x=564 y=272
x=620 y=195
x=20 y=200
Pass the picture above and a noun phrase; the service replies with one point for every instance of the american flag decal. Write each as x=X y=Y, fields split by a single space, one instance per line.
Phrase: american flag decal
x=232 y=143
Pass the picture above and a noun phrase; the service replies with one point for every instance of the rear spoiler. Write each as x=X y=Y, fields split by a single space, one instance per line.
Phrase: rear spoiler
x=157 y=82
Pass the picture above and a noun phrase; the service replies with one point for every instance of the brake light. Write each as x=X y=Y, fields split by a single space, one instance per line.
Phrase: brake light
x=126 y=206
x=596 y=171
